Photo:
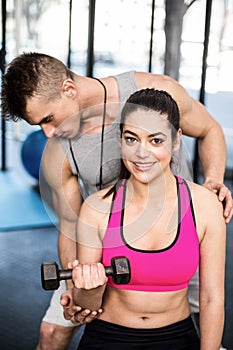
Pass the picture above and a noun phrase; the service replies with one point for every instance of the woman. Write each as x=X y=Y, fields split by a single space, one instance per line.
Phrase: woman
x=163 y=225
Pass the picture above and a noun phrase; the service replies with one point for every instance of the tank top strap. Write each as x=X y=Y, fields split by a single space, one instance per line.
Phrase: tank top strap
x=117 y=205
x=127 y=84
x=112 y=237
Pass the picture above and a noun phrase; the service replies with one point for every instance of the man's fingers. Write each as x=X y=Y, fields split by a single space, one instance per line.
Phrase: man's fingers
x=86 y=316
x=228 y=207
x=65 y=300
x=71 y=312
x=225 y=196
x=80 y=316
x=93 y=315
x=223 y=193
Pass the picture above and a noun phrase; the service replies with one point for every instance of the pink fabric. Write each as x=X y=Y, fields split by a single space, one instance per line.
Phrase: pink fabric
x=163 y=270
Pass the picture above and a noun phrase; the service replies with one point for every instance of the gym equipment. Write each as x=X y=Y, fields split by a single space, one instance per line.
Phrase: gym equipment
x=31 y=152
x=51 y=275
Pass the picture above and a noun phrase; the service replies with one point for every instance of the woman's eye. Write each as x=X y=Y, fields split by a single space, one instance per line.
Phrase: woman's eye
x=130 y=140
x=157 y=141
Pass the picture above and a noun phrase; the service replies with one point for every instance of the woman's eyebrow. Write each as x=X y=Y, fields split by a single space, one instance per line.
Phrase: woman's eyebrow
x=151 y=135
x=157 y=134
x=130 y=132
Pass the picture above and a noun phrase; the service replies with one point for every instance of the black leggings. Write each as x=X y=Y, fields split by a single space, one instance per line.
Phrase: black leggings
x=102 y=335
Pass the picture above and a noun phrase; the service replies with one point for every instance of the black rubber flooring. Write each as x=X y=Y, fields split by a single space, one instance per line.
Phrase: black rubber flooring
x=23 y=301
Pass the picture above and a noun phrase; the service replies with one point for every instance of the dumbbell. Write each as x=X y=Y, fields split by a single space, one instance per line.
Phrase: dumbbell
x=51 y=275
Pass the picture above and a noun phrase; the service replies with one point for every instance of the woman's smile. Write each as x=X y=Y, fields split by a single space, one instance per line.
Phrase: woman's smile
x=144 y=166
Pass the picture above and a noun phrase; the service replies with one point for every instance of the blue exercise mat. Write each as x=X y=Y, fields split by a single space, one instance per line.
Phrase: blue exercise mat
x=21 y=206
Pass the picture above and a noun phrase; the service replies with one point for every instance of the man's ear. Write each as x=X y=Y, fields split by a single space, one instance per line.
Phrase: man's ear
x=178 y=140
x=69 y=88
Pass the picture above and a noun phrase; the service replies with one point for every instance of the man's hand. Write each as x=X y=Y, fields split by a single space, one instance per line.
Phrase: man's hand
x=75 y=313
x=224 y=195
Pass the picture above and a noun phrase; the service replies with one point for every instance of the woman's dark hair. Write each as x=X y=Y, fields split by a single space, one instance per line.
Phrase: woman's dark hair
x=155 y=100
x=149 y=100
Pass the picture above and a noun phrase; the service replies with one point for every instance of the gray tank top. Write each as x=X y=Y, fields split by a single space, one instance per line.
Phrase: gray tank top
x=87 y=147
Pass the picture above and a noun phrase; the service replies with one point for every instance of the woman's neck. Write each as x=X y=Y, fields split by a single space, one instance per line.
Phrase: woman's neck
x=161 y=188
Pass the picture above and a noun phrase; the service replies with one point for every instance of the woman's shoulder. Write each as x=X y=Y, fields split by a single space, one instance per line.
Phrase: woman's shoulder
x=208 y=209
x=100 y=196
x=97 y=204
x=198 y=189
x=204 y=199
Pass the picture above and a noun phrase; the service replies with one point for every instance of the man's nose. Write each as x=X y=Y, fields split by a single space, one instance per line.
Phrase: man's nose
x=48 y=130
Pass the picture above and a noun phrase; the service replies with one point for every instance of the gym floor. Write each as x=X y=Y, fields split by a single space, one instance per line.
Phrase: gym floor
x=23 y=301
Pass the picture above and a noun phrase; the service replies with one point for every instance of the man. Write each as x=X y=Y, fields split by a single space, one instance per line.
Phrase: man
x=73 y=112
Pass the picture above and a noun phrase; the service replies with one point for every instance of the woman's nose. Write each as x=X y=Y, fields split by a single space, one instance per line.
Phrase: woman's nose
x=142 y=151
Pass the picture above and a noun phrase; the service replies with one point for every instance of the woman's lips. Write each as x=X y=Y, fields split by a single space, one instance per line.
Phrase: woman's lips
x=144 y=166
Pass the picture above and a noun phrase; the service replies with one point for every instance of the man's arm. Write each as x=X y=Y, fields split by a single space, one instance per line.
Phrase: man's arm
x=212 y=151
x=67 y=198
x=196 y=121
x=67 y=201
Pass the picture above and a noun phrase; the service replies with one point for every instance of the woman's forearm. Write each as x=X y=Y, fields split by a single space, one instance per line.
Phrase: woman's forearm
x=211 y=325
x=89 y=299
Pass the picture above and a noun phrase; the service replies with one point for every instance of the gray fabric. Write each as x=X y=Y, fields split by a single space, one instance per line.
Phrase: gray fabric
x=87 y=147
x=54 y=313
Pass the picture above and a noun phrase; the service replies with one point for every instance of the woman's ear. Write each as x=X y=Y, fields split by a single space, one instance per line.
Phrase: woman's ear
x=178 y=140
x=69 y=88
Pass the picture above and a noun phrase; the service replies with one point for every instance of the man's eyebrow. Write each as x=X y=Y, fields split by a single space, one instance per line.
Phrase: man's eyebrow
x=151 y=135
x=43 y=120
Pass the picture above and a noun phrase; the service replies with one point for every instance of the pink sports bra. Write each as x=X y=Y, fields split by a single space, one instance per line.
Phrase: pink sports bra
x=168 y=269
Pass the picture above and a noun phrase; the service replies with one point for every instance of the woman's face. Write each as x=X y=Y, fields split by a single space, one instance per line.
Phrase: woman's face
x=146 y=144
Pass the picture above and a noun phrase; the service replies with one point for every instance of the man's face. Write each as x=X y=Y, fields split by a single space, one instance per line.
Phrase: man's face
x=58 y=117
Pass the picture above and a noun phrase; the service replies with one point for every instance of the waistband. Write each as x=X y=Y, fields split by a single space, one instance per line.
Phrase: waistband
x=180 y=327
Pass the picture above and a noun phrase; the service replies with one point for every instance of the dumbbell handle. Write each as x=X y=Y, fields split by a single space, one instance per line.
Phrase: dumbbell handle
x=67 y=274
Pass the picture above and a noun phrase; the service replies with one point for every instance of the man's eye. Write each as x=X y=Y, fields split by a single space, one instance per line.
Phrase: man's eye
x=47 y=120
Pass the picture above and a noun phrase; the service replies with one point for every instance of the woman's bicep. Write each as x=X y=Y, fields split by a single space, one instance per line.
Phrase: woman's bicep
x=89 y=244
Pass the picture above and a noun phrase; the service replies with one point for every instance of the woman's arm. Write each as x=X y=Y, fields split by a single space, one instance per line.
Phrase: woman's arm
x=89 y=285
x=212 y=272
x=88 y=275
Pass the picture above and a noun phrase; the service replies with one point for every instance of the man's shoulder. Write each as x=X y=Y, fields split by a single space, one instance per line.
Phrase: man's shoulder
x=54 y=160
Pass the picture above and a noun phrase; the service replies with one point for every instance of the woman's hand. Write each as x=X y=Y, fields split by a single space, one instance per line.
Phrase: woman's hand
x=88 y=276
